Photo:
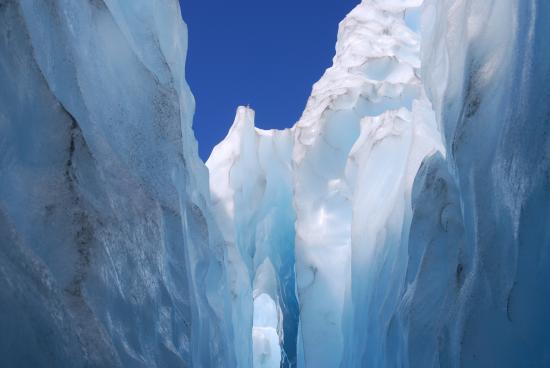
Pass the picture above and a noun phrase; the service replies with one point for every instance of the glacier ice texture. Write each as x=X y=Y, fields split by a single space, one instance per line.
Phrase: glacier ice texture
x=331 y=195
x=403 y=221
x=109 y=253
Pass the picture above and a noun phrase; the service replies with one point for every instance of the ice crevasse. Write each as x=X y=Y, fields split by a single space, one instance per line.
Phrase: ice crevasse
x=341 y=178
x=420 y=206
x=401 y=222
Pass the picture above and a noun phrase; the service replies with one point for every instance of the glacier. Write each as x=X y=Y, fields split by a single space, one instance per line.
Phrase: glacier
x=403 y=221
x=100 y=186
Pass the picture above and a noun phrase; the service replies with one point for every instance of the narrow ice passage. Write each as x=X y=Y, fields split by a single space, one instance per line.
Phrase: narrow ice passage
x=267 y=321
x=402 y=222
x=404 y=217
x=251 y=184
x=265 y=337
x=327 y=203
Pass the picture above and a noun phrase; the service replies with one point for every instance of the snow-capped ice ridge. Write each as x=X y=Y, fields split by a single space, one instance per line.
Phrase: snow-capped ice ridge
x=251 y=184
x=323 y=202
x=418 y=178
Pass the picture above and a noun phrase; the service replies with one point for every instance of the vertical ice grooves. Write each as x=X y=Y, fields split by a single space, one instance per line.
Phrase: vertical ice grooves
x=368 y=108
x=349 y=240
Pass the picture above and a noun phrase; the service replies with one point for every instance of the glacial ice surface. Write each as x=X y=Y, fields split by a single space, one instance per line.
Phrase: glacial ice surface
x=419 y=204
x=251 y=185
x=401 y=222
x=109 y=254
x=341 y=177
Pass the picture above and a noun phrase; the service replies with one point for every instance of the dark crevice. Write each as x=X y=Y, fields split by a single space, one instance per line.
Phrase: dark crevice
x=460 y=275
x=84 y=234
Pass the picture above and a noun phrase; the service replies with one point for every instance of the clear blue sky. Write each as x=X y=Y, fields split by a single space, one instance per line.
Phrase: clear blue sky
x=264 y=53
